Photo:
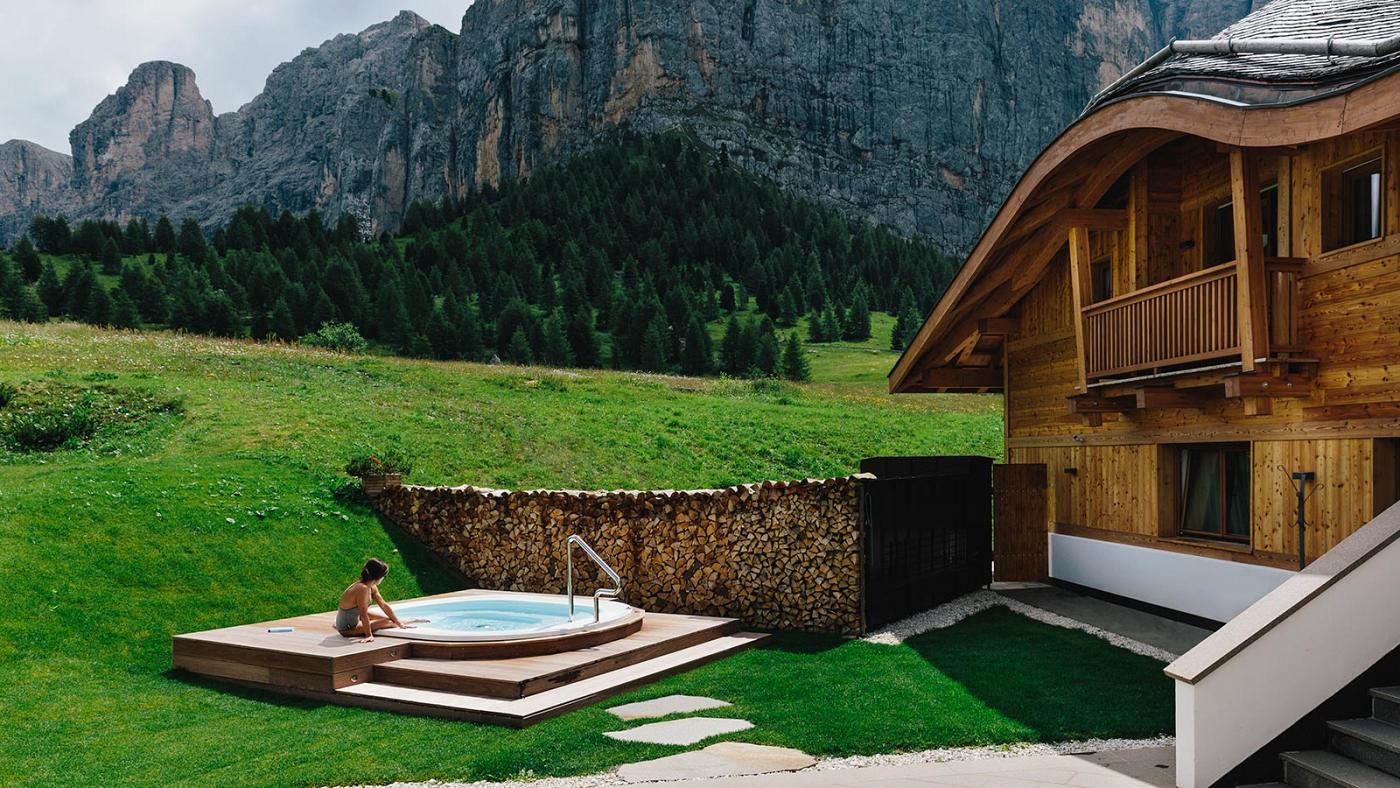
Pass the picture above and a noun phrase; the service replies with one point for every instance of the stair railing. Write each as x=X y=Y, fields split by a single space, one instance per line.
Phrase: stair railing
x=609 y=593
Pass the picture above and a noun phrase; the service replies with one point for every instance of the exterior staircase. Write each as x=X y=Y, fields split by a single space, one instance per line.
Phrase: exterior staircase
x=1362 y=753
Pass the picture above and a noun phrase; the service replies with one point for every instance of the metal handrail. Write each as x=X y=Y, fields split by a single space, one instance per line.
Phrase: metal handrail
x=610 y=593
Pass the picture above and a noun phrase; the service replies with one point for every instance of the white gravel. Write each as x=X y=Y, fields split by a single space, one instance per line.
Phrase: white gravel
x=952 y=612
x=611 y=780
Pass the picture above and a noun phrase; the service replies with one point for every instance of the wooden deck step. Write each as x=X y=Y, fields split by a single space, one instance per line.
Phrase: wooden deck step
x=521 y=712
x=525 y=676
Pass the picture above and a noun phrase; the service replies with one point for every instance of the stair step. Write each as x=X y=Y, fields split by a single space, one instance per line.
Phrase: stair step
x=1370 y=741
x=1385 y=704
x=524 y=676
x=1322 y=769
x=525 y=711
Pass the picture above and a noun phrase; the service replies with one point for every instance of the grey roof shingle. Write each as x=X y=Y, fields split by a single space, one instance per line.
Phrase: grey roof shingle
x=1268 y=78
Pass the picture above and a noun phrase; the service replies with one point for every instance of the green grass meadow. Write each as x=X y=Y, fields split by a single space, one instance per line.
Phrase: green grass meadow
x=211 y=495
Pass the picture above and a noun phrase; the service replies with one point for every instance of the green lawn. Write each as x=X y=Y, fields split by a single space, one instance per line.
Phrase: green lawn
x=230 y=509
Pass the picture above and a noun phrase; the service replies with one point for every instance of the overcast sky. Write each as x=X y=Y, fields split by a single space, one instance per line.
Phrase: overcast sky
x=59 y=58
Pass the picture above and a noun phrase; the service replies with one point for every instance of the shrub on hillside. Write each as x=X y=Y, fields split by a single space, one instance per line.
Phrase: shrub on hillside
x=54 y=426
x=388 y=460
x=341 y=337
x=8 y=392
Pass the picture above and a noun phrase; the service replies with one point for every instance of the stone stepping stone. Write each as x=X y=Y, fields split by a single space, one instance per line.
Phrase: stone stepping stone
x=725 y=759
x=688 y=730
x=665 y=707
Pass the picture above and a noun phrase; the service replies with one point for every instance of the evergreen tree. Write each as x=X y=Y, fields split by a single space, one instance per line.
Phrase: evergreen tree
x=393 y=325
x=858 y=319
x=767 y=352
x=123 y=313
x=816 y=329
x=192 y=243
x=795 y=363
x=50 y=289
x=30 y=266
x=111 y=258
x=11 y=290
x=518 y=350
x=556 y=349
x=831 y=324
x=732 y=360
x=164 y=239
x=97 y=305
x=582 y=342
x=697 y=356
x=726 y=298
x=282 y=325
x=78 y=288
x=653 y=349
x=787 y=310
x=907 y=323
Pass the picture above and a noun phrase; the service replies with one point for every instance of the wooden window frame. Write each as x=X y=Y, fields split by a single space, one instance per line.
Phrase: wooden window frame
x=1210 y=223
x=1333 y=217
x=1179 y=471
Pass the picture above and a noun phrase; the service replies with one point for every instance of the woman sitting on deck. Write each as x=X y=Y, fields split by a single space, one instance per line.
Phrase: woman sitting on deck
x=354 y=617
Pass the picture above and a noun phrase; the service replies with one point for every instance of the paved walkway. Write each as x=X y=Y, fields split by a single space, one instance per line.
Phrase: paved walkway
x=1118 y=769
x=1164 y=633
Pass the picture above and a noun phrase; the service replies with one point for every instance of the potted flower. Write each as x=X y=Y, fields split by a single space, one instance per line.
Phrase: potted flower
x=378 y=470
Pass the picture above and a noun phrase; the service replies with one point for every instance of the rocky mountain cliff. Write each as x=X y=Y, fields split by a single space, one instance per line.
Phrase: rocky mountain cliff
x=916 y=114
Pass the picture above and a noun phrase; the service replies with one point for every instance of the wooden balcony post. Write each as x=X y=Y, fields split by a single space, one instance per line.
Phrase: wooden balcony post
x=1249 y=257
x=1082 y=289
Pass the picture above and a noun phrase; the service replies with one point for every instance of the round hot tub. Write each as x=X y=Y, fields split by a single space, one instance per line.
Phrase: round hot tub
x=487 y=625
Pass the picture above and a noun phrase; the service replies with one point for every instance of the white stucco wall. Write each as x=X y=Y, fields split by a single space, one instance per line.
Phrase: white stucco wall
x=1206 y=587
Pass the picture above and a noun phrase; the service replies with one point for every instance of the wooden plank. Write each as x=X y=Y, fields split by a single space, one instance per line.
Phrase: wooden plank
x=1093 y=403
x=1080 y=289
x=1106 y=219
x=954 y=378
x=1249 y=259
x=998 y=326
x=519 y=677
x=1021 y=546
x=222 y=669
x=1167 y=397
x=544 y=705
x=1267 y=386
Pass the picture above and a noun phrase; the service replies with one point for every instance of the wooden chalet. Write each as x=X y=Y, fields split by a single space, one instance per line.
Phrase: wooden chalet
x=1190 y=300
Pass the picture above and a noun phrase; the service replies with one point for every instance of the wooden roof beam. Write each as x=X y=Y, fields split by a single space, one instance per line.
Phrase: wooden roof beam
x=982 y=379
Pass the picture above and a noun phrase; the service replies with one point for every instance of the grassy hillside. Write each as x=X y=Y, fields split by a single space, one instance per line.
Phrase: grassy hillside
x=207 y=493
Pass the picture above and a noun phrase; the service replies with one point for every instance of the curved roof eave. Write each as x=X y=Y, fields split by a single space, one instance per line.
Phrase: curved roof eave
x=1331 y=113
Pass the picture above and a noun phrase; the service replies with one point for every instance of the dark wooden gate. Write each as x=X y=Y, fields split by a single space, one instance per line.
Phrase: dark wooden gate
x=927 y=525
x=1022 y=549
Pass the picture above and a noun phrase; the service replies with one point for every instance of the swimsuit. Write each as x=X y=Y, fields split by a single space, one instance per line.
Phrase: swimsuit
x=346 y=618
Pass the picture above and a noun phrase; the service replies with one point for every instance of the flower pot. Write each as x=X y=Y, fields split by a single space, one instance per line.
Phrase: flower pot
x=375 y=484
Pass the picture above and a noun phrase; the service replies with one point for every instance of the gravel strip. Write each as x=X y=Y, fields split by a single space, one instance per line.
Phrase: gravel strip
x=952 y=612
x=611 y=780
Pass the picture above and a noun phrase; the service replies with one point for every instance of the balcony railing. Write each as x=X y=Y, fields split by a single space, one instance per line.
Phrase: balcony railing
x=1191 y=320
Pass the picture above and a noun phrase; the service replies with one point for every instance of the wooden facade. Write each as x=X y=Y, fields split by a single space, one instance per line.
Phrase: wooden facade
x=1163 y=283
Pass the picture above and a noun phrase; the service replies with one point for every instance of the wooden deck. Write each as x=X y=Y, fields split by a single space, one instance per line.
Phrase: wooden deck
x=316 y=661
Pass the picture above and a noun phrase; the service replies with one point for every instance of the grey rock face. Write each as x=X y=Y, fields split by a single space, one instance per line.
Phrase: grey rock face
x=919 y=115
x=916 y=115
x=30 y=176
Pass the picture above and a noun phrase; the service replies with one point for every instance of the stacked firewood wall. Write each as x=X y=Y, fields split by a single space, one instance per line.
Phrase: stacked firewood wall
x=779 y=555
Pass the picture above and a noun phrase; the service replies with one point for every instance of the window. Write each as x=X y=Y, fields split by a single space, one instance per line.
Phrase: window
x=1218 y=229
x=1353 y=204
x=1214 y=491
x=1219 y=226
x=1101 y=278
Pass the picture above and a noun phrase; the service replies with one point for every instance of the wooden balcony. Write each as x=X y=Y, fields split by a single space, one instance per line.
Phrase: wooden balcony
x=1186 y=322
